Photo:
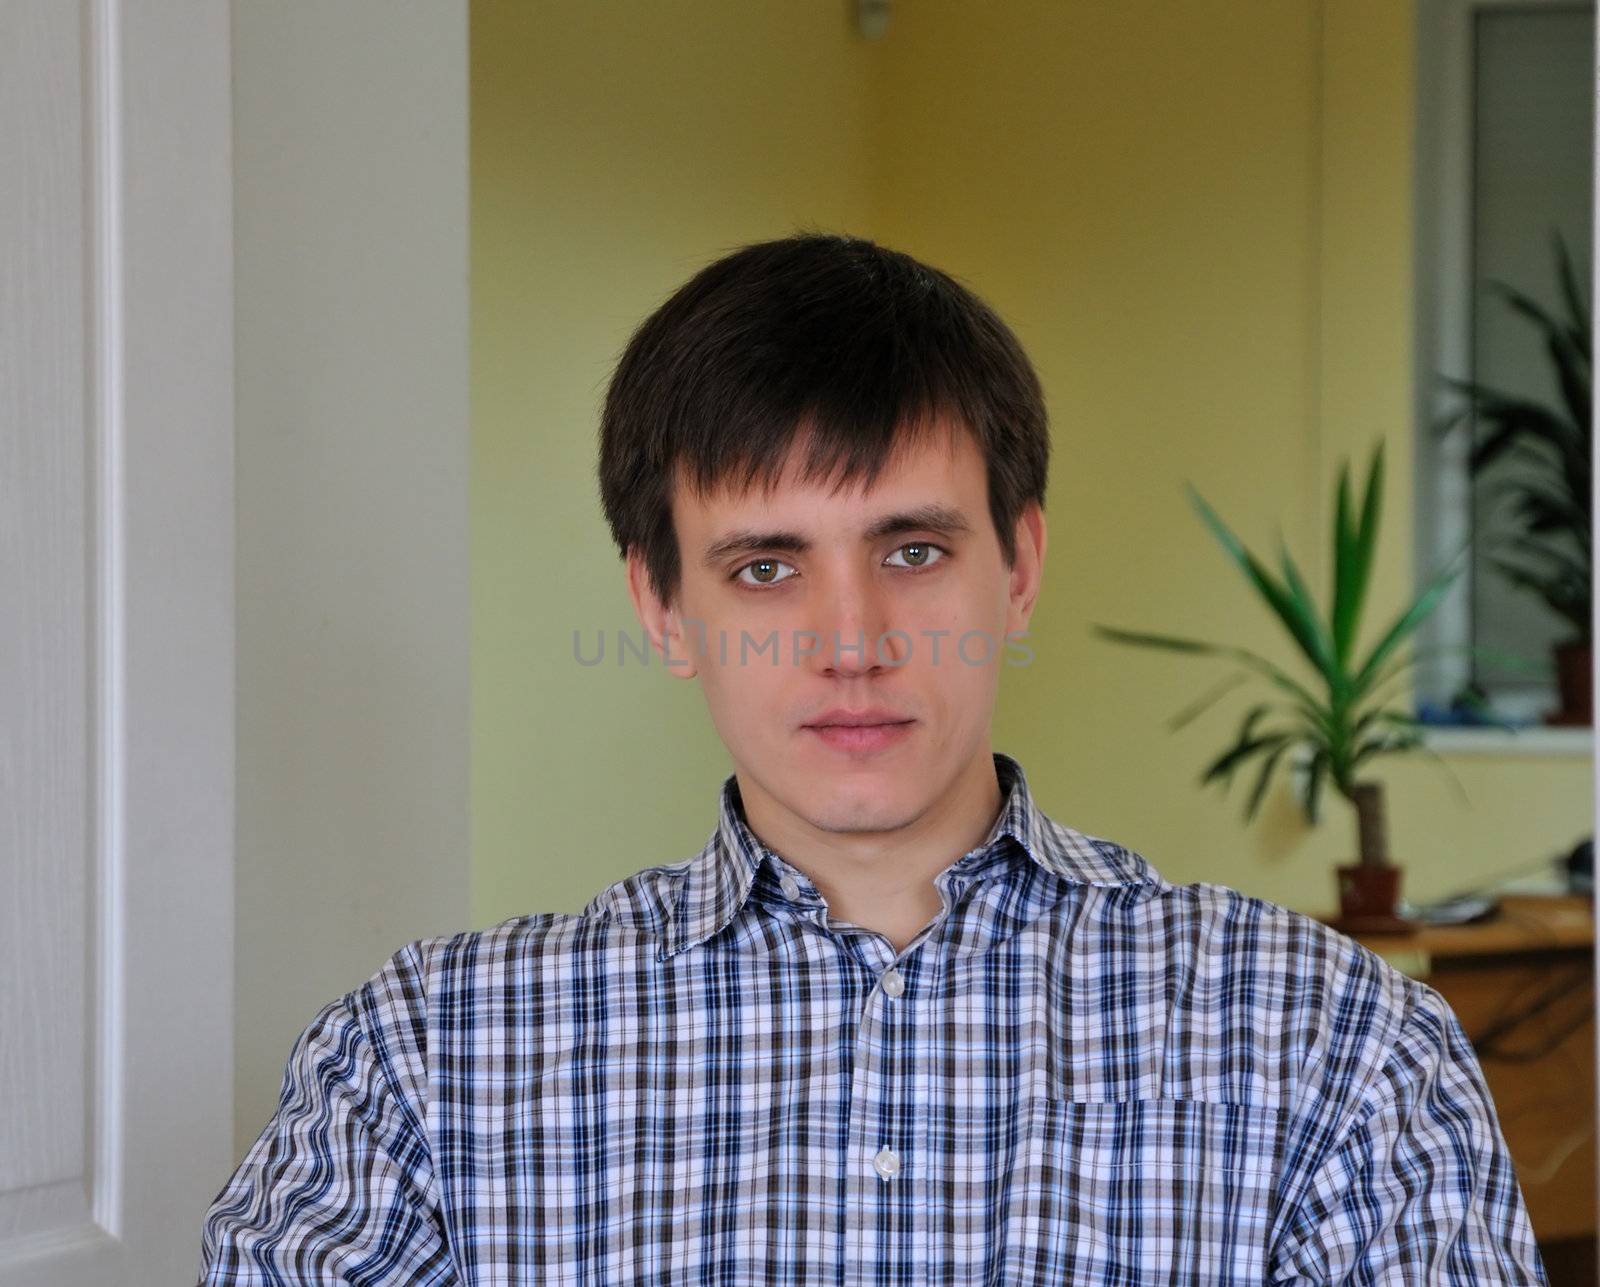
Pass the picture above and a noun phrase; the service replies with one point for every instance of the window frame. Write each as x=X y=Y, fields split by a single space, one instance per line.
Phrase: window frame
x=1444 y=319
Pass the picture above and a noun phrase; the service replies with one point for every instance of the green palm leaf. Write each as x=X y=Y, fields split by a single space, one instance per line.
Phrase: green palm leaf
x=1315 y=773
x=1409 y=620
x=1293 y=612
x=1303 y=699
x=1353 y=548
x=1189 y=712
x=1577 y=306
x=1267 y=766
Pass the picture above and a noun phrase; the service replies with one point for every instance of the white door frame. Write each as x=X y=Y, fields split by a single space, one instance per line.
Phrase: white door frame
x=116 y=344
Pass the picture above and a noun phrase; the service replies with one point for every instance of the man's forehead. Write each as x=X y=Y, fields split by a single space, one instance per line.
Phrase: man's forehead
x=934 y=456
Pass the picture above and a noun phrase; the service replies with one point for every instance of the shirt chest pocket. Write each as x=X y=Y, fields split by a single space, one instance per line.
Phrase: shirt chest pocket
x=1144 y=1191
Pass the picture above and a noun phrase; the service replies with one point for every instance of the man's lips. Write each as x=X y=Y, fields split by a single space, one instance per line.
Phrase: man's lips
x=857 y=719
x=861 y=737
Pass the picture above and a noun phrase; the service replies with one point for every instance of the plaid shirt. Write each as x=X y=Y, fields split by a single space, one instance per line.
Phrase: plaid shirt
x=1076 y=1073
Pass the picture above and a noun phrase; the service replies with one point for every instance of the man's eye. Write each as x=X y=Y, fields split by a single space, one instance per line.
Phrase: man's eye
x=925 y=554
x=766 y=572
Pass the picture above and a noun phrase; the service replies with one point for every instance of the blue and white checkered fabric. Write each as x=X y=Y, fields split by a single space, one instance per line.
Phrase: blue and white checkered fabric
x=1078 y=1073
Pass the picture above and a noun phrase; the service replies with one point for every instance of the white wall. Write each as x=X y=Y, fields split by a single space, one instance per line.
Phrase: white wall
x=350 y=138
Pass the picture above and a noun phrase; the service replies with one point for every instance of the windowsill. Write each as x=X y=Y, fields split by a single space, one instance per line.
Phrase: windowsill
x=1532 y=740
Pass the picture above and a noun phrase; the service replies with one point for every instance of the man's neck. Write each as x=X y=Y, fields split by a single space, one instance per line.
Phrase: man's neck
x=883 y=881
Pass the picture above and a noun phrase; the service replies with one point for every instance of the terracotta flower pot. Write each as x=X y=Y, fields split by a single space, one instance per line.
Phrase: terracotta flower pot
x=1368 y=893
x=1575 y=681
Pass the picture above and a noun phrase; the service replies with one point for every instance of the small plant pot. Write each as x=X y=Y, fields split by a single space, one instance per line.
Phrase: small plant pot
x=1368 y=894
x=1575 y=683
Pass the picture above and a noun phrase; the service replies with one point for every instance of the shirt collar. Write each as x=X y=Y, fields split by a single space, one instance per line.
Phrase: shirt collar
x=718 y=880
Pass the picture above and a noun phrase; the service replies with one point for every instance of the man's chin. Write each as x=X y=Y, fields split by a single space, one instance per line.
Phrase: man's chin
x=866 y=802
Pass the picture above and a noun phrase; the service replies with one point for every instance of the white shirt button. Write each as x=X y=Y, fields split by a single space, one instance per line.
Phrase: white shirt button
x=789 y=887
x=886 y=1163
x=893 y=982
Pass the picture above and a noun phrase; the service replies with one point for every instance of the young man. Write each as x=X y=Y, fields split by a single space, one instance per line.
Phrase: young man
x=893 y=1024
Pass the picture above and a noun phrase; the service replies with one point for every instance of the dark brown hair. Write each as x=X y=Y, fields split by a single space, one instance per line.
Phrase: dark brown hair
x=859 y=346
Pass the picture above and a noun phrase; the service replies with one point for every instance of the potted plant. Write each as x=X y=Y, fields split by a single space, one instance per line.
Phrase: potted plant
x=1342 y=720
x=1554 y=512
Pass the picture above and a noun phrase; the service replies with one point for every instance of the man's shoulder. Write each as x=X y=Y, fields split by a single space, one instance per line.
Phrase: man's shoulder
x=1333 y=1008
x=617 y=925
x=1215 y=926
x=1231 y=928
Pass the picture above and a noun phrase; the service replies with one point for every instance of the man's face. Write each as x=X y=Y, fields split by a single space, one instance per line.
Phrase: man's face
x=785 y=611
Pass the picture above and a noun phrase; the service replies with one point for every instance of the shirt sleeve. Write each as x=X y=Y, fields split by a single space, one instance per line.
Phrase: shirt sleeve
x=339 y=1187
x=1420 y=1187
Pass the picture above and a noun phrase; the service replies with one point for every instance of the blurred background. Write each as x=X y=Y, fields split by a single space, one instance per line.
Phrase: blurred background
x=1202 y=221
x=1239 y=239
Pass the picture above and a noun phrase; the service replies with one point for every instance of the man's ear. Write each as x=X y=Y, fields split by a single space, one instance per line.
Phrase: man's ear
x=1027 y=571
x=661 y=623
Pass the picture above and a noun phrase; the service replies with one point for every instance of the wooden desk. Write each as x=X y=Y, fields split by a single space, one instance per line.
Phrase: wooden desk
x=1521 y=982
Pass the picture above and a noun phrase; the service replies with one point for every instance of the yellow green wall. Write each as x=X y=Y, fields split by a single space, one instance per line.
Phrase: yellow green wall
x=1197 y=217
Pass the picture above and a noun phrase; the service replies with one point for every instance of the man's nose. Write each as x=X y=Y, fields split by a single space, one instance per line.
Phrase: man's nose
x=850 y=617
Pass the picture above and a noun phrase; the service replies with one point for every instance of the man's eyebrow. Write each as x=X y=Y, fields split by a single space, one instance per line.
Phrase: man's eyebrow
x=943 y=519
